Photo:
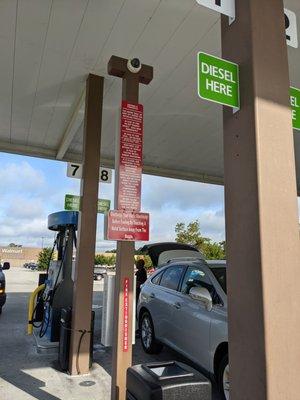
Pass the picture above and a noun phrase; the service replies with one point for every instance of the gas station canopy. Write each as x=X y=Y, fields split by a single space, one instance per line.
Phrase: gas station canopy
x=49 y=47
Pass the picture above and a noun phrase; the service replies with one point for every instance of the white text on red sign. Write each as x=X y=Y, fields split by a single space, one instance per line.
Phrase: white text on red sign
x=126 y=315
x=127 y=226
x=131 y=150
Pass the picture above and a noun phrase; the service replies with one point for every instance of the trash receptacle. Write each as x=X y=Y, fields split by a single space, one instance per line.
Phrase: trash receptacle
x=166 y=381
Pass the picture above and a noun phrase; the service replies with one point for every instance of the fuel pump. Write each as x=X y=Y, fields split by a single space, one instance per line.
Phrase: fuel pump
x=58 y=290
x=56 y=293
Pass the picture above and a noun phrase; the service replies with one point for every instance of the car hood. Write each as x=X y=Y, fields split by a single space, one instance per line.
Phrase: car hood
x=161 y=253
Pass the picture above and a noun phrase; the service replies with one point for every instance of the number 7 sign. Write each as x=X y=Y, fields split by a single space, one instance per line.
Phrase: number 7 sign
x=74 y=170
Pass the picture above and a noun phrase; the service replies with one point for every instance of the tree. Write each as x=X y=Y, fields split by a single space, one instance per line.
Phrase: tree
x=147 y=259
x=214 y=251
x=101 y=259
x=191 y=234
x=44 y=258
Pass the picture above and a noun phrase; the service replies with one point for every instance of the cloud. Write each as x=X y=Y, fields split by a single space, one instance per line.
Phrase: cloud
x=161 y=193
x=16 y=177
x=170 y=201
x=212 y=224
x=25 y=209
x=23 y=202
x=27 y=232
x=35 y=188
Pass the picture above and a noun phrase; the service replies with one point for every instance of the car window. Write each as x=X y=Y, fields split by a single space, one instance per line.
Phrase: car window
x=171 y=277
x=156 y=279
x=220 y=274
x=196 y=277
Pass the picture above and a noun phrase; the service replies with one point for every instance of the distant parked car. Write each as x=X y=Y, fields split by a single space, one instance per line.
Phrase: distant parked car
x=99 y=272
x=33 y=266
x=5 y=266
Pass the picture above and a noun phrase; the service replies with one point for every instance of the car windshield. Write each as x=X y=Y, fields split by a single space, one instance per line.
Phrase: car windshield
x=220 y=274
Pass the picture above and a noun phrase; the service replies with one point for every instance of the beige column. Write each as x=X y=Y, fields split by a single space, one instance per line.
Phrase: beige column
x=262 y=228
x=85 y=254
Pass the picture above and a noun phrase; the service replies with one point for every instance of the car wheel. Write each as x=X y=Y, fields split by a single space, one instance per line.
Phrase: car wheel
x=223 y=378
x=149 y=343
x=0 y=310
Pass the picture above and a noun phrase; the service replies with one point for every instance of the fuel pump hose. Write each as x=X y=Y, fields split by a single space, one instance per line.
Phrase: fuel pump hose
x=31 y=307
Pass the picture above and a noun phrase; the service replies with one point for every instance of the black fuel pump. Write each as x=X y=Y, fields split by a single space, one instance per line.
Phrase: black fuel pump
x=58 y=293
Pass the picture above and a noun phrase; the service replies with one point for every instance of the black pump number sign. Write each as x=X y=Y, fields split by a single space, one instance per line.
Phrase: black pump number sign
x=74 y=170
x=227 y=7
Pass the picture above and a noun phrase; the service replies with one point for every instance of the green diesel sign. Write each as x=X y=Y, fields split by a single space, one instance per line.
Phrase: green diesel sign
x=295 y=104
x=72 y=203
x=218 y=80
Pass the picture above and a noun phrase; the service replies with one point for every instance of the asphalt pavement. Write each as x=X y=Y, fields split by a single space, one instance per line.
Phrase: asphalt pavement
x=26 y=374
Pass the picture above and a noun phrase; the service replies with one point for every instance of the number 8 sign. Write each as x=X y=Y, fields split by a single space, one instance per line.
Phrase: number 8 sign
x=74 y=170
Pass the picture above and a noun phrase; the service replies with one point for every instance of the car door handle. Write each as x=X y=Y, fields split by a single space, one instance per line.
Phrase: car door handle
x=152 y=296
x=177 y=306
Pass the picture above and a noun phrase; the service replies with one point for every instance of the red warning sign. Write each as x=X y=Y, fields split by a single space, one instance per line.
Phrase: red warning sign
x=122 y=225
x=126 y=316
x=131 y=153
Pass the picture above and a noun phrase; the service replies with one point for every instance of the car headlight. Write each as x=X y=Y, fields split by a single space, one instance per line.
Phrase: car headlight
x=2 y=287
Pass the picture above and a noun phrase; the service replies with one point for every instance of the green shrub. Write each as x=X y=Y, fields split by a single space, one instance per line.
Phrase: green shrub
x=44 y=258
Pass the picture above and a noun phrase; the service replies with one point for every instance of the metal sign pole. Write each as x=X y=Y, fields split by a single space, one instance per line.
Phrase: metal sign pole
x=122 y=355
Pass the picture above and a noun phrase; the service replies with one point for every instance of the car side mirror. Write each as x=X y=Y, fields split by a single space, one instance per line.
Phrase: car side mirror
x=6 y=265
x=202 y=294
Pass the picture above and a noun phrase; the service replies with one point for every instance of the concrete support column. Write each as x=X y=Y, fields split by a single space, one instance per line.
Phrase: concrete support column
x=262 y=229
x=85 y=254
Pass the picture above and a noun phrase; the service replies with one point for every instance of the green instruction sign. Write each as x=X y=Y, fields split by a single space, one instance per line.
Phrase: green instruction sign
x=295 y=104
x=72 y=203
x=218 y=80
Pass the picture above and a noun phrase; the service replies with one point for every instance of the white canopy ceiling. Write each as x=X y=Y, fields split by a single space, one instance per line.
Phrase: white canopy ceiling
x=48 y=47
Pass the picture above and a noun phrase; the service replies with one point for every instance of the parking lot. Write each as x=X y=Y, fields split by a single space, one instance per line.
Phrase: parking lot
x=26 y=374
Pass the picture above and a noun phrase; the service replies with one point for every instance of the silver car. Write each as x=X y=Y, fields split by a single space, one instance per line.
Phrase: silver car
x=184 y=306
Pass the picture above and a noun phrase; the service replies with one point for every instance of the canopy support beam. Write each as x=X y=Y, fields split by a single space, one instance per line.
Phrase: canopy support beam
x=262 y=228
x=73 y=125
x=79 y=362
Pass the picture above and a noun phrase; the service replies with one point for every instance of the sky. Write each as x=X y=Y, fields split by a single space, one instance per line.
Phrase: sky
x=33 y=188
